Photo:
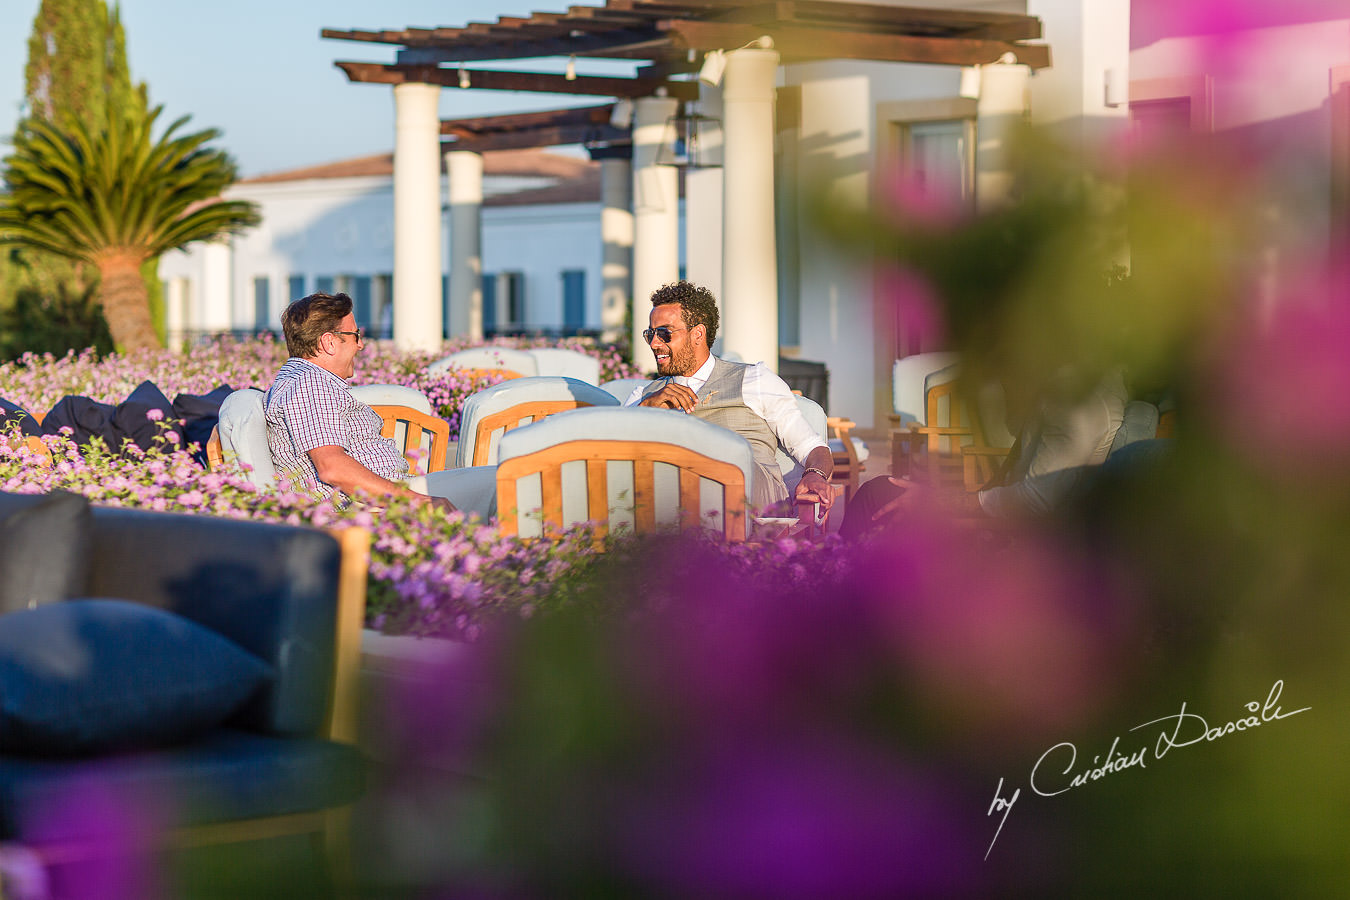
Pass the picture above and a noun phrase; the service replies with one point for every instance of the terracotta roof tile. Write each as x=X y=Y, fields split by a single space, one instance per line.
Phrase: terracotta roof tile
x=497 y=162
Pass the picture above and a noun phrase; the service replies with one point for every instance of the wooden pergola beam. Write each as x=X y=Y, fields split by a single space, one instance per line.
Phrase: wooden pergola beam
x=577 y=115
x=527 y=44
x=816 y=43
x=493 y=80
x=527 y=138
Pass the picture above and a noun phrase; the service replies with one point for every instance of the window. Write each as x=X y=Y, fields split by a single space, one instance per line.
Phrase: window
x=931 y=145
x=574 y=299
x=1172 y=107
x=489 y=303
x=1161 y=121
x=324 y=284
x=295 y=287
x=937 y=158
x=262 y=302
x=382 y=291
x=445 y=306
x=504 y=301
x=361 y=300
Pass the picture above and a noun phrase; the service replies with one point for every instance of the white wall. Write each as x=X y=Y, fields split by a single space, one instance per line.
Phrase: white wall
x=344 y=226
x=1270 y=88
x=839 y=145
x=541 y=242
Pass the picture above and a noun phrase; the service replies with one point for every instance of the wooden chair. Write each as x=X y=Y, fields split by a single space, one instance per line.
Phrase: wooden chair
x=517 y=362
x=565 y=362
x=410 y=425
x=640 y=469
x=911 y=379
x=489 y=414
x=847 y=466
x=937 y=445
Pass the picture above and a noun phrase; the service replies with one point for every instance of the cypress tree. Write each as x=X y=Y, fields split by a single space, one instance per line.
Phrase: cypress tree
x=67 y=62
x=77 y=70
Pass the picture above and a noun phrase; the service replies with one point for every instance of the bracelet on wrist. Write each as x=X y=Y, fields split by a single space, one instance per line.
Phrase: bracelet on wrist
x=821 y=472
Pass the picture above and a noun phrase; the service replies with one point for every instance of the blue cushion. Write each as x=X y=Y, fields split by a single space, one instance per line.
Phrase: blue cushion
x=87 y=676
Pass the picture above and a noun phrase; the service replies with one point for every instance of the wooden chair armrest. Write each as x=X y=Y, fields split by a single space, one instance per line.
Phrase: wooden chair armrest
x=979 y=463
x=982 y=450
x=353 y=573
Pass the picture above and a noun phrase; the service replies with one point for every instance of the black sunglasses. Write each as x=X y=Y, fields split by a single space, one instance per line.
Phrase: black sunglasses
x=662 y=331
x=356 y=334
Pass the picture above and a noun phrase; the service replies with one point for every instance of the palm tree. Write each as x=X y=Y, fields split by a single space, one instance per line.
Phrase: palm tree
x=115 y=198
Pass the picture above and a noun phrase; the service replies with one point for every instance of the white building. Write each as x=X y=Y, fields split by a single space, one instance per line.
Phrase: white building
x=1280 y=72
x=330 y=227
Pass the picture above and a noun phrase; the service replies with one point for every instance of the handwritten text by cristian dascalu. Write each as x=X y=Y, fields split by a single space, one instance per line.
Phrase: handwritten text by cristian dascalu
x=1058 y=771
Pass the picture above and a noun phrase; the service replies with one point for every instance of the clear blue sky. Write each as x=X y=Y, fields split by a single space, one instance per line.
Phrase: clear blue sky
x=258 y=70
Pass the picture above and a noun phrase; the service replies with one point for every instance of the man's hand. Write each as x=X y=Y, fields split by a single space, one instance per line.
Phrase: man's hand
x=672 y=396
x=441 y=503
x=814 y=488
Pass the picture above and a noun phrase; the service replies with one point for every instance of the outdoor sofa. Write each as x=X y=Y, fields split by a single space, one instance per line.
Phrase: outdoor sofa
x=215 y=687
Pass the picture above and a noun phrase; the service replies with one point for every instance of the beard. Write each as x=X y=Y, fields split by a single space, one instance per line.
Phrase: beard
x=681 y=362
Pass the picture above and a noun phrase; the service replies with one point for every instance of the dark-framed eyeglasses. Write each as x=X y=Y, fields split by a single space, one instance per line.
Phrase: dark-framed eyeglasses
x=662 y=331
x=356 y=334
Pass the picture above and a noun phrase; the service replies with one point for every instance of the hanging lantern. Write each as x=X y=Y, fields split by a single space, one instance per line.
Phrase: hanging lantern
x=693 y=141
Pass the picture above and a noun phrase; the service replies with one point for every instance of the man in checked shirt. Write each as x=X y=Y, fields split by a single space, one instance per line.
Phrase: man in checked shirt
x=320 y=436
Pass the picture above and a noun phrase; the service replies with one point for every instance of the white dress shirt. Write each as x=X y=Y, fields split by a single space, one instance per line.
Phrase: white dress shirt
x=767 y=396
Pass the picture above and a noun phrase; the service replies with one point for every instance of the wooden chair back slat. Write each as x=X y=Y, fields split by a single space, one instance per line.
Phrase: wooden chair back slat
x=514 y=417
x=551 y=489
x=597 y=493
x=689 y=499
x=644 y=494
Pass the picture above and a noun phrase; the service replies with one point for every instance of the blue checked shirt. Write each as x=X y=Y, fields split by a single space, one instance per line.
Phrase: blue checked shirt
x=310 y=407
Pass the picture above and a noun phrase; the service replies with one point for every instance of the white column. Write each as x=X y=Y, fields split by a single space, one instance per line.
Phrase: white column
x=1000 y=110
x=703 y=207
x=749 y=253
x=616 y=235
x=656 y=215
x=176 y=316
x=217 y=290
x=1089 y=39
x=417 y=217
x=465 y=169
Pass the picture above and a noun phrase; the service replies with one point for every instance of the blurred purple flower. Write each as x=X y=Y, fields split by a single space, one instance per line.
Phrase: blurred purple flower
x=918 y=312
x=802 y=817
x=1281 y=384
x=115 y=827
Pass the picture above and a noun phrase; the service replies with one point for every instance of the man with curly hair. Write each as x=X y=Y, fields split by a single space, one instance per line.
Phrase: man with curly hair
x=749 y=399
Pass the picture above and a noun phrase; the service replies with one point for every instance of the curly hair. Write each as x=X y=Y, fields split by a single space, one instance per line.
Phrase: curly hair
x=310 y=318
x=698 y=306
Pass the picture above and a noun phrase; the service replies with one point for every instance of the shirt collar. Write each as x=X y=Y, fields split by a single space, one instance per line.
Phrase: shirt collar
x=700 y=376
x=342 y=381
